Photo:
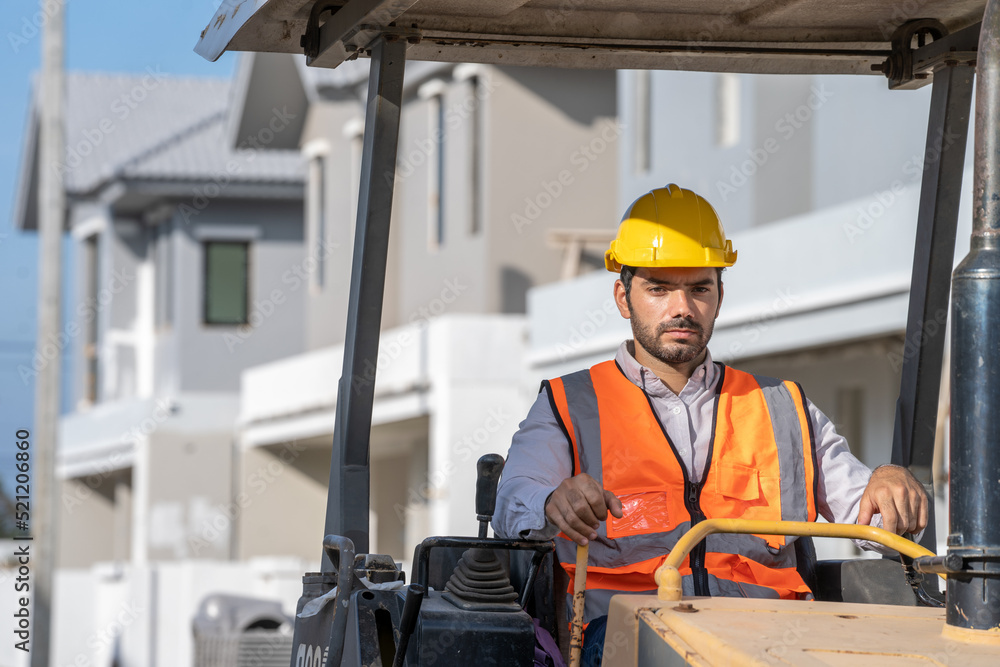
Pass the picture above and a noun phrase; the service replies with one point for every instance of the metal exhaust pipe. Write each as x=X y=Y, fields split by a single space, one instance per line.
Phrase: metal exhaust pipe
x=974 y=593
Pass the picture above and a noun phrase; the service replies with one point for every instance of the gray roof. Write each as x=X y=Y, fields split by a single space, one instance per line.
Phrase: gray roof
x=265 y=81
x=319 y=79
x=322 y=81
x=150 y=127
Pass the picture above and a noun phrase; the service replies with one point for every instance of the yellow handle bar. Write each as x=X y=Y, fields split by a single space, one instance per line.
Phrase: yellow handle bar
x=668 y=577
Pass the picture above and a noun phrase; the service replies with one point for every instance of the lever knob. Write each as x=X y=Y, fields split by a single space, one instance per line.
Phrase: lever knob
x=488 y=468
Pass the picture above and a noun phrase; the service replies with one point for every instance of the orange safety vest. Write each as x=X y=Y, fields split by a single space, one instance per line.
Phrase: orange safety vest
x=761 y=465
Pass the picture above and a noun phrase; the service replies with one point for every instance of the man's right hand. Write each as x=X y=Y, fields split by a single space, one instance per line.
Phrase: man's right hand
x=578 y=506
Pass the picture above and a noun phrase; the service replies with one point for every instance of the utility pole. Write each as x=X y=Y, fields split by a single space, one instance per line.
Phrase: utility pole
x=51 y=214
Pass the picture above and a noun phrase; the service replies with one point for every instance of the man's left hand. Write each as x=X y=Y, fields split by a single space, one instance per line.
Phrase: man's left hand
x=896 y=494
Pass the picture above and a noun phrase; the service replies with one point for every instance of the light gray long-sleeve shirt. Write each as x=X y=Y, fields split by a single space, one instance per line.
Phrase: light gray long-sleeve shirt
x=539 y=457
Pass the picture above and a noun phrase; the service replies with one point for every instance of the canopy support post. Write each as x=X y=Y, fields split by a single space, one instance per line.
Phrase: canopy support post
x=348 y=498
x=930 y=284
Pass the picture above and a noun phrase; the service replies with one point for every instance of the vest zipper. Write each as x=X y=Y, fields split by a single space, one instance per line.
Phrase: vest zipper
x=692 y=495
x=692 y=491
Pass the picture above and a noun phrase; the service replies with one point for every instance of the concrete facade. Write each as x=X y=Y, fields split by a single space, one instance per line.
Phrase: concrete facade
x=156 y=378
x=490 y=161
x=507 y=183
x=769 y=148
x=440 y=404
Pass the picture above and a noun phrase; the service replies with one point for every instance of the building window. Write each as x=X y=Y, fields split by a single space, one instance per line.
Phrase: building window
x=433 y=92
x=316 y=153
x=643 y=120
x=354 y=132
x=437 y=175
x=316 y=227
x=226 y=286
x=468 y=120
x=163 y=267
x=476 y=130
x=91 y=258
x=727 y=114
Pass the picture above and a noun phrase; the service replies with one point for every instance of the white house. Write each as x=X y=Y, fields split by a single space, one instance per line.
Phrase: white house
x=180 y=240
x=491 y=162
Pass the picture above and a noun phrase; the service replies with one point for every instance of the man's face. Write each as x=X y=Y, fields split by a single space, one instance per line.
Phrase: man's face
x=672 y=310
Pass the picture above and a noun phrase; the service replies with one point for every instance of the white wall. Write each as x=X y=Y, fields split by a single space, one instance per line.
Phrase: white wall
x=802 y=142
x=143 y=615
x=448 y=390
x=475 y=408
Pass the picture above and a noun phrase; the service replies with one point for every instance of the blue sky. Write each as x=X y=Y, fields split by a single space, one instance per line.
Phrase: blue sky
x=104 y=35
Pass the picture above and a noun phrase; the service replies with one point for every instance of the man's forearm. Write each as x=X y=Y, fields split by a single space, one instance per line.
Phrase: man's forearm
x=521 y=510
x=842 y=479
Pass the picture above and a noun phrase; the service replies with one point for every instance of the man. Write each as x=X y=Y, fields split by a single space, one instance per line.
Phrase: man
x=627 y=455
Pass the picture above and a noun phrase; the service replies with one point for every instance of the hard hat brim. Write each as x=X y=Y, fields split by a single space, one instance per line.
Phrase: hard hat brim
x=713 y=258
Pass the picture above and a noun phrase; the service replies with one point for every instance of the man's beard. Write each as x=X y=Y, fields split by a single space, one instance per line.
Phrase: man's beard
x=672 y=352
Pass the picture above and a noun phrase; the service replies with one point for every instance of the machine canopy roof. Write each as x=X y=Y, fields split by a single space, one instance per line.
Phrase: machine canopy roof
x=763 y=36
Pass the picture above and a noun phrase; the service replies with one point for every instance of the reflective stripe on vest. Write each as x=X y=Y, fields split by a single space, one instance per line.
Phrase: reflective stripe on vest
x=761 y=465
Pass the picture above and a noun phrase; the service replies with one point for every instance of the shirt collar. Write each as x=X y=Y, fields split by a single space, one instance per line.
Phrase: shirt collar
x=703 y=377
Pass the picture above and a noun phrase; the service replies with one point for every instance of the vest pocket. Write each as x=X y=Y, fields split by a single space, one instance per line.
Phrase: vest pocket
x=642 y=512
x=738 y=482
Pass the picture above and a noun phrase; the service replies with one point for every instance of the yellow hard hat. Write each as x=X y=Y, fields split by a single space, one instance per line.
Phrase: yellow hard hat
x=670 y=226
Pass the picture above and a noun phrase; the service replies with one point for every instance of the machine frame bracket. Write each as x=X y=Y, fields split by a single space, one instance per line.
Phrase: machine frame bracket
x=908 y=68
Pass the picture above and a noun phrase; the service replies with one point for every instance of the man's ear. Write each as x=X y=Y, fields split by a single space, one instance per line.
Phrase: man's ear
x=722 y=292
x=621 y=301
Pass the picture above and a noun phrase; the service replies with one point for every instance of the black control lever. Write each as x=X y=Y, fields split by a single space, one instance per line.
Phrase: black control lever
x=488 y=468
x=408 y=621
